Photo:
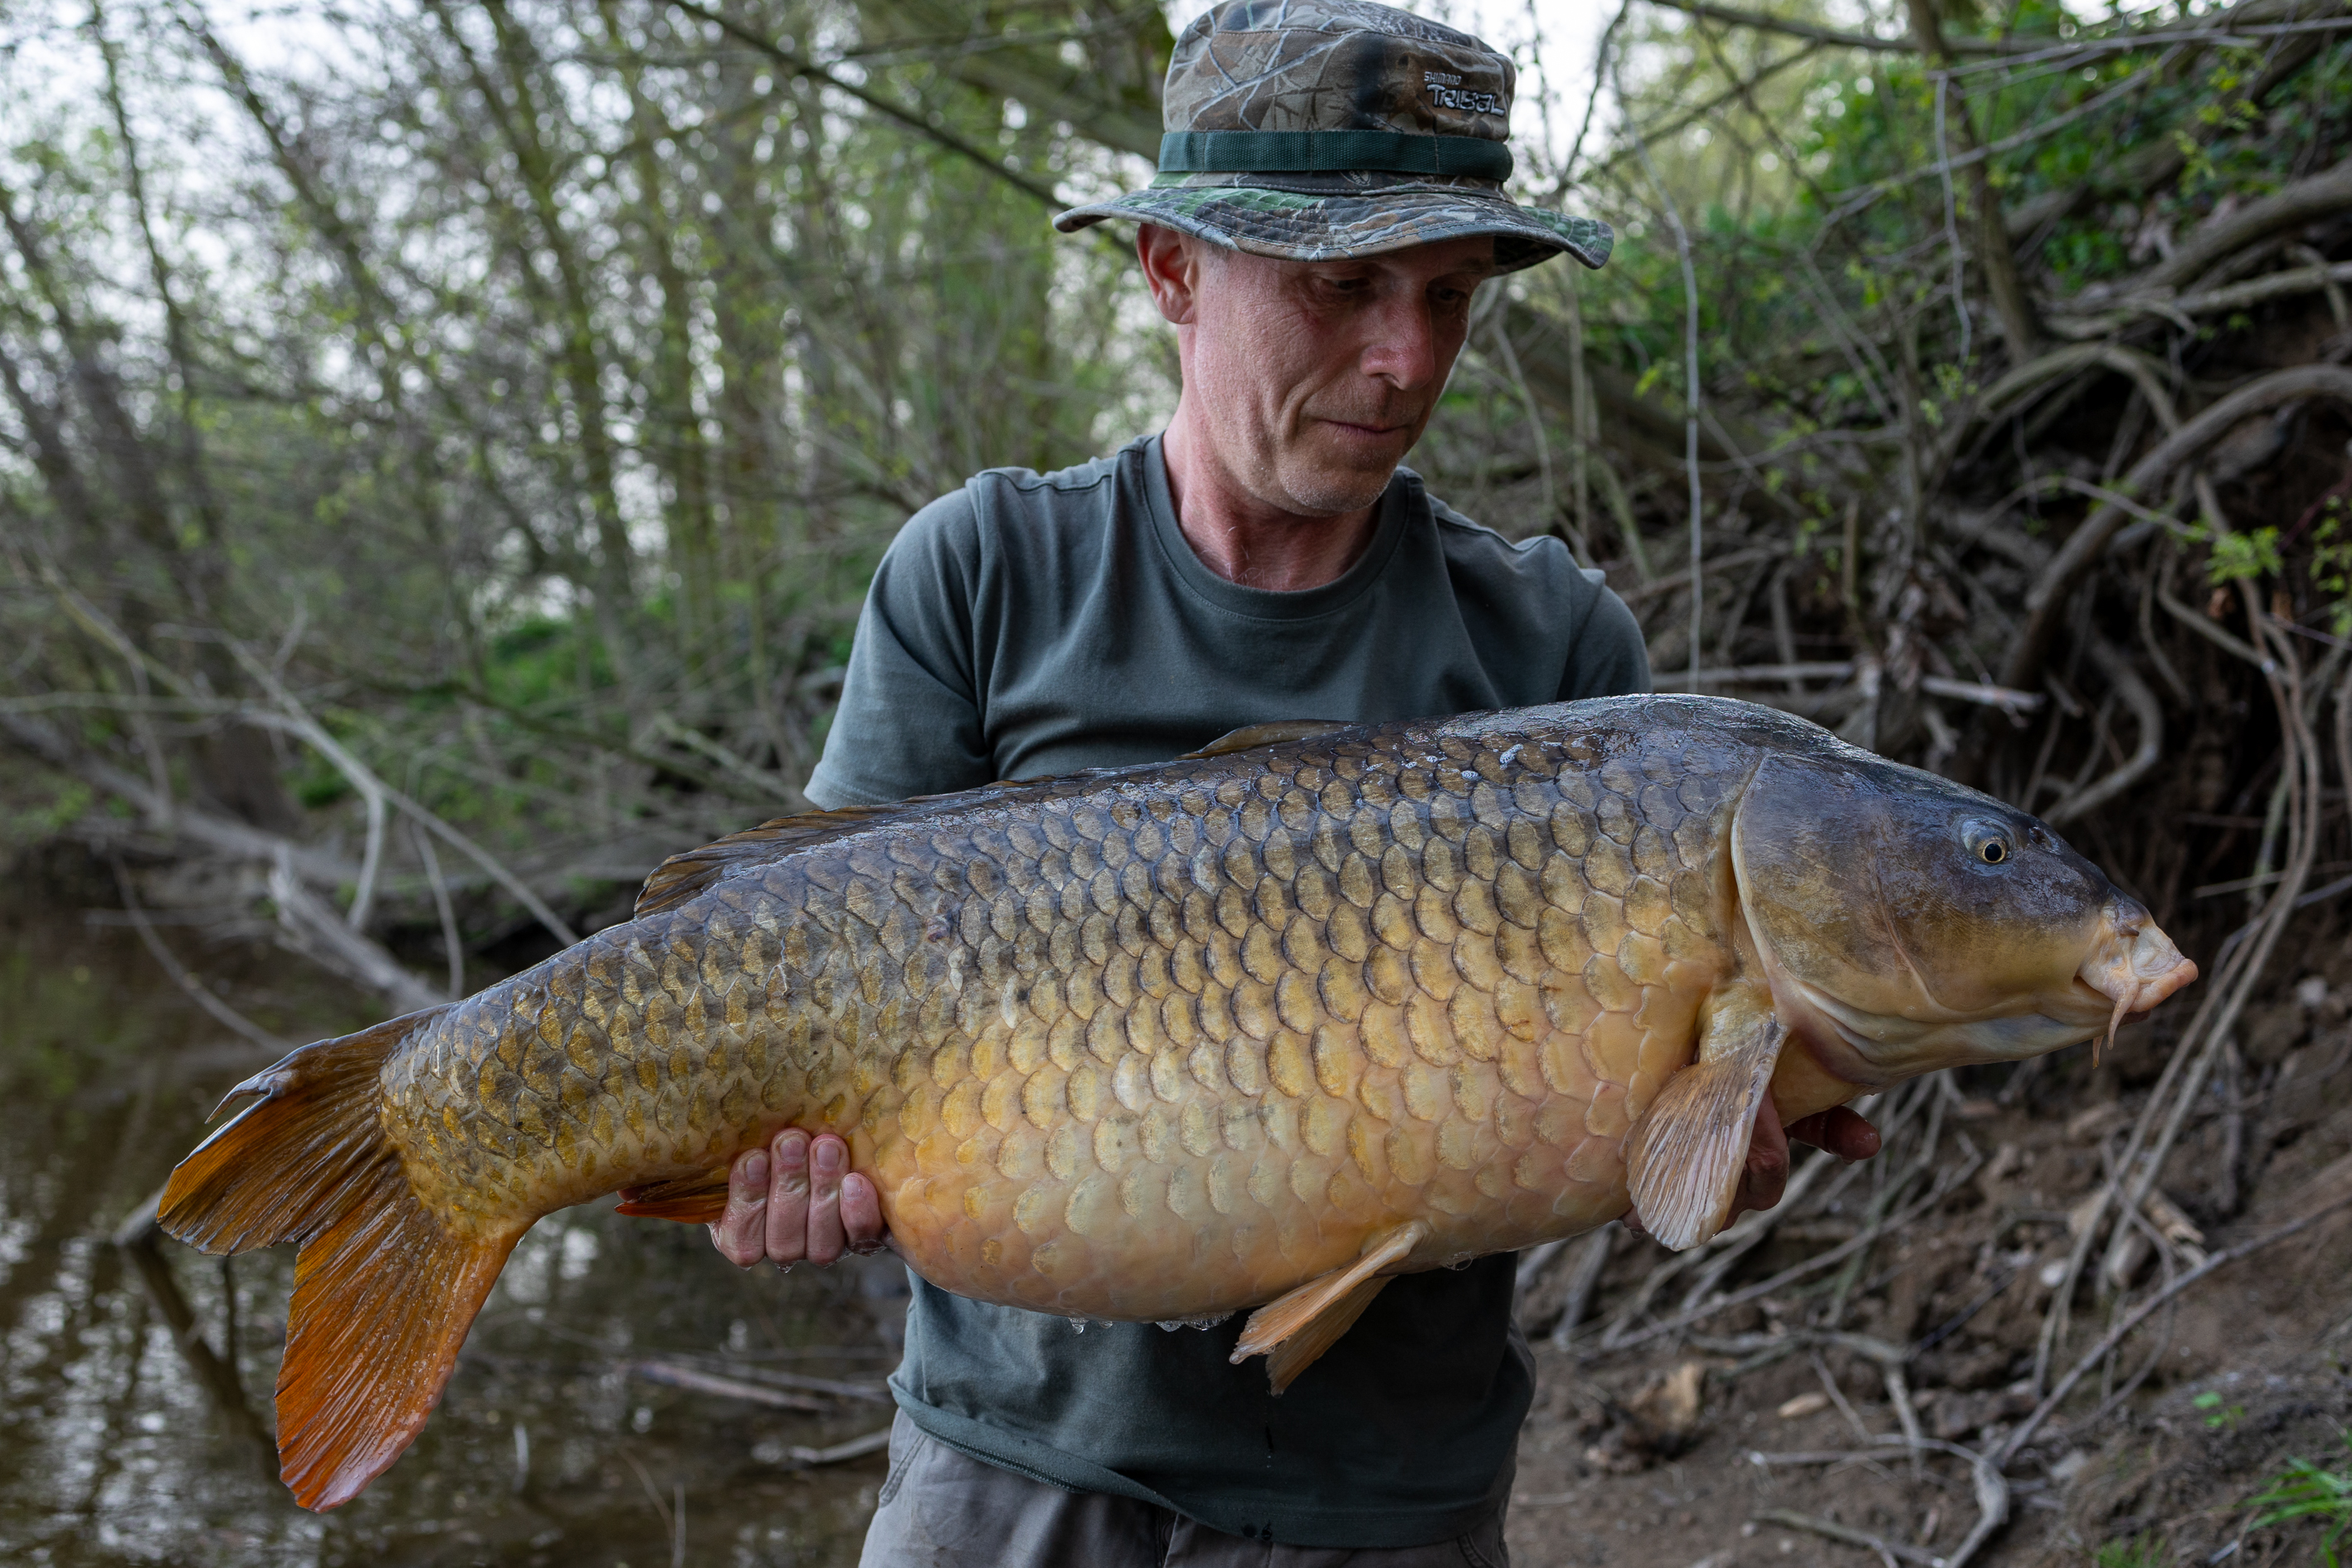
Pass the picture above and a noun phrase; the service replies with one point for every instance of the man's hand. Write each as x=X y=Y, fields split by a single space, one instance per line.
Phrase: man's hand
x=1838 y=1129
x=795 y=1199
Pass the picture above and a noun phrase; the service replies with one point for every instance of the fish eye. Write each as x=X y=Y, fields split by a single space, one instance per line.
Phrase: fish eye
x=1987 y=843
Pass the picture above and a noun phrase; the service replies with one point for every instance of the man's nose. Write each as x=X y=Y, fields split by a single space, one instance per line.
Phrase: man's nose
x=1402 y=345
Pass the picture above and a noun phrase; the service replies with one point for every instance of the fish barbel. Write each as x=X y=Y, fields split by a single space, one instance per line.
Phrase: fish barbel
x=1256 y=1028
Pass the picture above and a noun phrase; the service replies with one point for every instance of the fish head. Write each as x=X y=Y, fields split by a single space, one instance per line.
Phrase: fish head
x=1907 y=923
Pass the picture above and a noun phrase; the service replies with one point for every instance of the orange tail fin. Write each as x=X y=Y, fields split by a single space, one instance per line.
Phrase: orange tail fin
x=384 y=1289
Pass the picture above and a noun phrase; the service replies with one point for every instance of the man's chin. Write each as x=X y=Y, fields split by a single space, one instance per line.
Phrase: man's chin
x=1332 y=488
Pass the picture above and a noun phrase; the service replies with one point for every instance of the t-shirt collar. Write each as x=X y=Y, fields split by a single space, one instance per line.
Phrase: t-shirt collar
x=1403 y=504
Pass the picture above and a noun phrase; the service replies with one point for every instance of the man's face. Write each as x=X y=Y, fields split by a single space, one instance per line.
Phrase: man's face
x=1315 y=378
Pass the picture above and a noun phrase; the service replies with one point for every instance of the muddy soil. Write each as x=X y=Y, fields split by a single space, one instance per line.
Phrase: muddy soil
x=1707 y=1448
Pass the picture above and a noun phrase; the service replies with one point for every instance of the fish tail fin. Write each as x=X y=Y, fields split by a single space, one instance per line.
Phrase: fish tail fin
x=385 y=1289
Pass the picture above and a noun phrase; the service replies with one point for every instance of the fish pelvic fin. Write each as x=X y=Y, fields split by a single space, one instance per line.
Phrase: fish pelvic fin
x=385 y=1289
x=690 y=1200
x=1686 y=1157
x=1294 y=1330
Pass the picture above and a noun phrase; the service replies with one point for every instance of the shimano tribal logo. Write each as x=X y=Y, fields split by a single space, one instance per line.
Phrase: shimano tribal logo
x=1445 y=89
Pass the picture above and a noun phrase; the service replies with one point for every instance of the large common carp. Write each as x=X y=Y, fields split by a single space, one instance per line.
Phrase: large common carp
x=1255 y=1028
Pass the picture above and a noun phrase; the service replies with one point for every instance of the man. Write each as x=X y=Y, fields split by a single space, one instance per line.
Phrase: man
x=1331 y=198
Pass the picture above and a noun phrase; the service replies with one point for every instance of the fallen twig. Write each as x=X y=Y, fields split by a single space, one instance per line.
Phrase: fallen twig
x=1591 y=1258
x=1951 y=1178
x=1893 y=1551
x=856 y=1449
x=838 y=1387
x=313 y=929
x=1991 y=1489
x=296 y=720
x=2016 y=1441
x=687 y=1377
x=218 y=1010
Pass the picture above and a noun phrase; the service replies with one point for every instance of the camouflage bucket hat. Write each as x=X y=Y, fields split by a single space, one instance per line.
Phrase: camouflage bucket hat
x=1313 y=130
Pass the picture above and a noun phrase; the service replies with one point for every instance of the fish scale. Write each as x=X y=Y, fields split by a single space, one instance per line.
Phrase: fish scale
x=1150 y=1049
x=1254 y=1028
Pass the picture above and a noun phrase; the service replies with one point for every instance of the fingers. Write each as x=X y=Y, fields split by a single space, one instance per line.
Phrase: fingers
x=828 y=1159
x=1839 y=1131
x=797 y=1199
x=861 y=1215
x=1765 y=1180
x=741 y=1234
x=1766 y=1175
x=787 y=1240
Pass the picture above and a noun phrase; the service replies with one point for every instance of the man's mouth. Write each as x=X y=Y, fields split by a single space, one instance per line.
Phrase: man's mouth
x=1369 y=429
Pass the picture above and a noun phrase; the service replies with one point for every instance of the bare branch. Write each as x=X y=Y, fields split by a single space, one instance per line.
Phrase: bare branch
x=912 y=119
x=1833 y=37
x=2082 y=548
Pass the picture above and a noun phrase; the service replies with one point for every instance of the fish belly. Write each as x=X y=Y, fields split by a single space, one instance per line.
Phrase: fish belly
x=1145 y=1048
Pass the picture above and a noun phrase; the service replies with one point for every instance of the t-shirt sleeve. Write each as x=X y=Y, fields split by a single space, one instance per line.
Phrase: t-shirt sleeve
x=909 y=721
x=1608 y=657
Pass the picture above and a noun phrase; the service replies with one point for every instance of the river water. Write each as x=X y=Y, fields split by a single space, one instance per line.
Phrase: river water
x=551 y=1445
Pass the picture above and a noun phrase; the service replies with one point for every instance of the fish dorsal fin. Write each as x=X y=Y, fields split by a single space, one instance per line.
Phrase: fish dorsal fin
x=1293 y=1330
x=683 y=875
x=1686 y=1155
x=1250 y=736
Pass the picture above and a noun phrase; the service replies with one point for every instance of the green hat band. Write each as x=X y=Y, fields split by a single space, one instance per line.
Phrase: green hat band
x=1331 y=151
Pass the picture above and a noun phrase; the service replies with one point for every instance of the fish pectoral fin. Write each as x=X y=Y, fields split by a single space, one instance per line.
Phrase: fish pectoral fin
x=689 y=1200
x=1251 y=736
x=1295 y=1329
x=1686 y=1157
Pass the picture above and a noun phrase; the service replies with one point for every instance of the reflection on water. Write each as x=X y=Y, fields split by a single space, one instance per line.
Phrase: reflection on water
x=546 y=1449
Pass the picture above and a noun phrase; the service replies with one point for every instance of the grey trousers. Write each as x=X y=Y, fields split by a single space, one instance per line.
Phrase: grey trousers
x=942 y=1509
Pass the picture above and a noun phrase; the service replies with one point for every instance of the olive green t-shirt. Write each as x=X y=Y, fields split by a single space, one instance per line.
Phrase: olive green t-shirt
x=1035 y=625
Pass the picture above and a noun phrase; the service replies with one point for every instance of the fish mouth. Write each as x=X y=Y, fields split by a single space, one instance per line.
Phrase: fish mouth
x=2133 y=966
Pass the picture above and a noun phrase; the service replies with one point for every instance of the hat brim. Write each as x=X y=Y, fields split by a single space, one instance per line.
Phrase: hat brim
x=1332 y=226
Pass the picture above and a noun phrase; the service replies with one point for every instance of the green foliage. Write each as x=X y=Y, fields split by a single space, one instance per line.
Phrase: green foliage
x=2219 y=1415
x=2305 y=1491
x=2331 y=564
x=2237 y=555
x=51 y=814
x=2139 y=1552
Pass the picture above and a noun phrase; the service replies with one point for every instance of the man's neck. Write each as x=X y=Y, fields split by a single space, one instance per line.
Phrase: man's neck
x=1242 y=539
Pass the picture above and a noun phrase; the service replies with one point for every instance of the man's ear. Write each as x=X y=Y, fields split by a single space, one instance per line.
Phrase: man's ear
x=1172 y=270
